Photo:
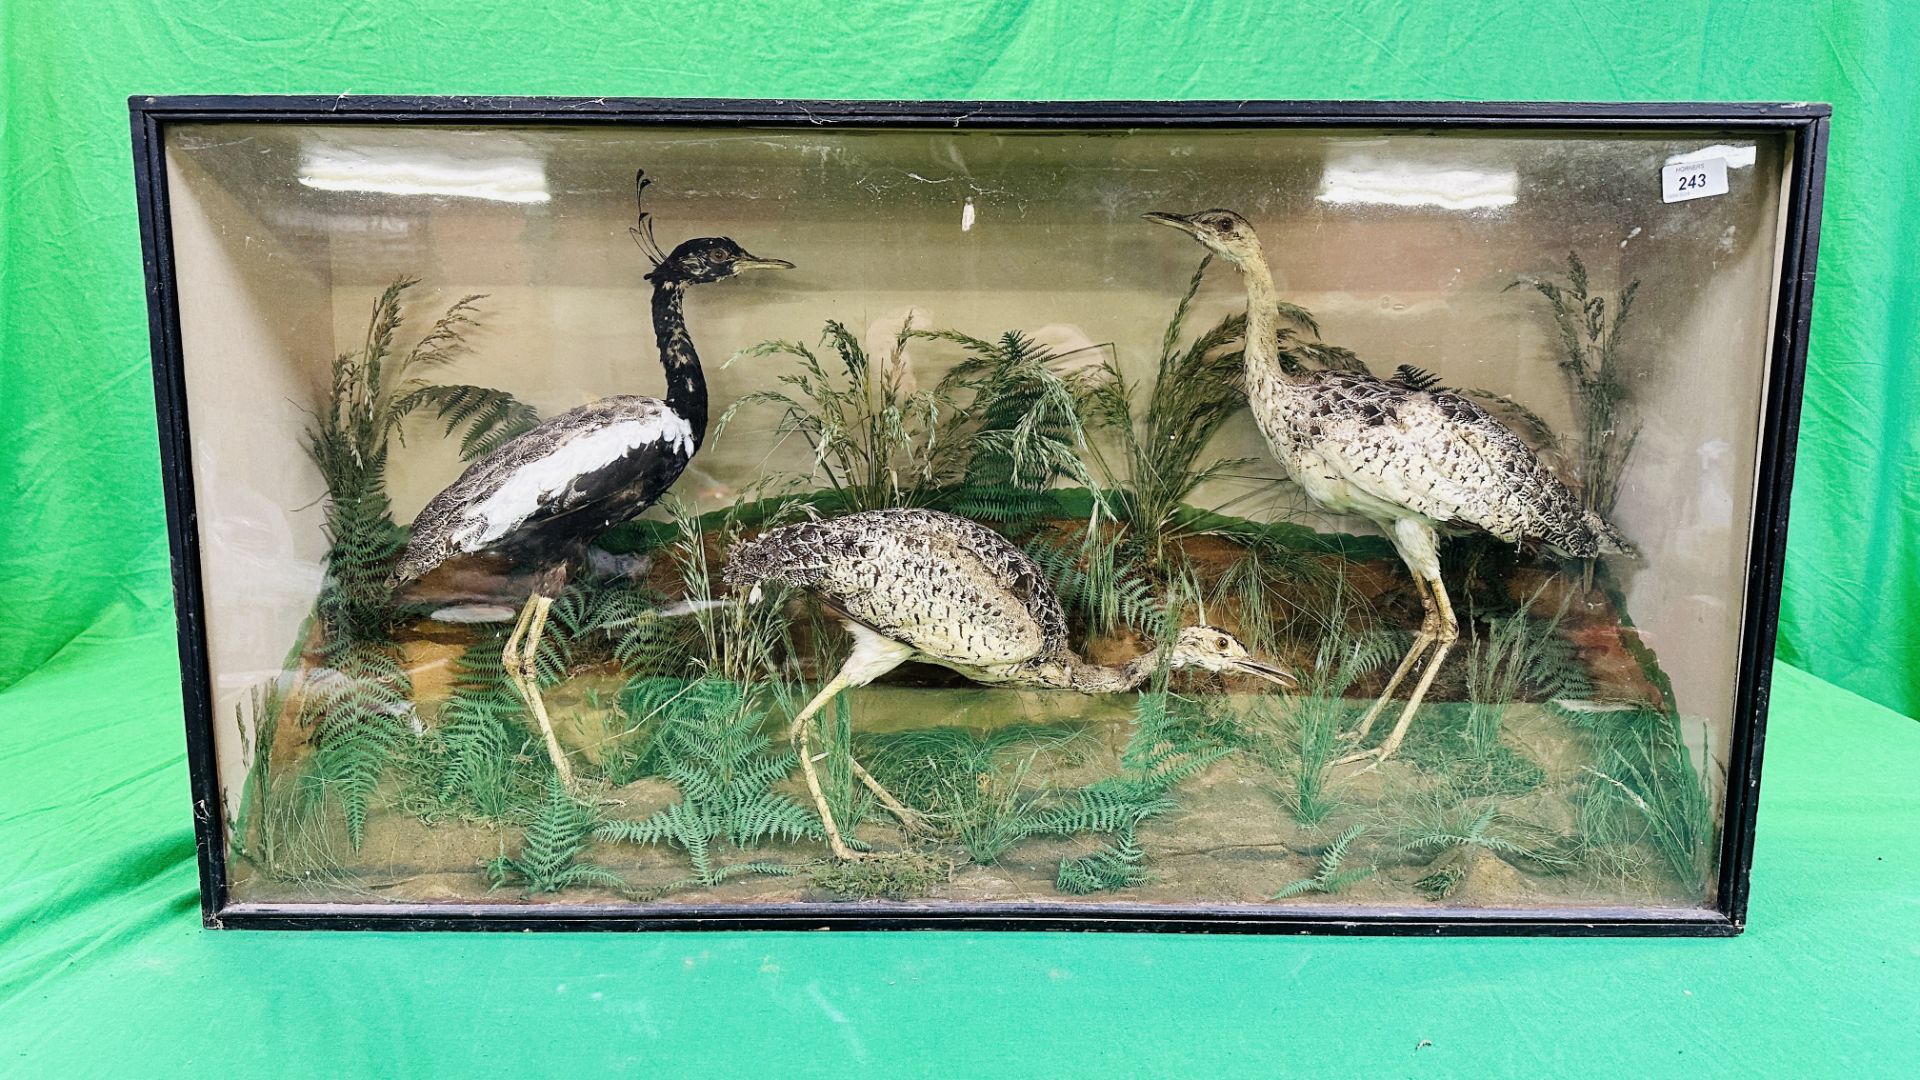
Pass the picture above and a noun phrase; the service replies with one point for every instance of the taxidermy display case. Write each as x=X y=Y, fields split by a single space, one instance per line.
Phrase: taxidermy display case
x=1347 y=517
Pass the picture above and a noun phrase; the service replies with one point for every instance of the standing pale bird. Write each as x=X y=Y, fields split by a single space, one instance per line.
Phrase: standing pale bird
x=540 y=499
x=1413 y=458
x=923 y=585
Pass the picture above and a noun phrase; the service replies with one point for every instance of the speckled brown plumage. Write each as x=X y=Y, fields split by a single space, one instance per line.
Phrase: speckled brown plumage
x=1383 y=448
x=952 y=589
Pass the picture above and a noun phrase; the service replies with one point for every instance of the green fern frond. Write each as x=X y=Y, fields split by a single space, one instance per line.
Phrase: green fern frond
x=552 y=846
x=1110 y=805
x=363 y=728
x=713 y=750
x=1328 y=878
x=1095 y=580
x=718 y=876
x=1001 y=504
x=360 y=704
x=1114 y=866
x=490 y=418
x=1302 y=736
x=1022 y=425
x=481 y=762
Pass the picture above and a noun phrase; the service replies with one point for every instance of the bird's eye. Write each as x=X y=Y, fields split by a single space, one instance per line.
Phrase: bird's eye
x=716 y=256
x=1221 y=641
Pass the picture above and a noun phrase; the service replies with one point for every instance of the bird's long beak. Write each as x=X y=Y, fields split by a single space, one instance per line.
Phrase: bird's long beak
x=1273 y=673
x=752 y=263
x=1178 y=221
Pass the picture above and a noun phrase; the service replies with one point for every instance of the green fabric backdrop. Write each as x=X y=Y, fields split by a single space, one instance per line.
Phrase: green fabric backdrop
x=82 y=515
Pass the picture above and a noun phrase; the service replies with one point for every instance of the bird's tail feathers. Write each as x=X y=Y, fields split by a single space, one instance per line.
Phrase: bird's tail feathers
x=1609 y=539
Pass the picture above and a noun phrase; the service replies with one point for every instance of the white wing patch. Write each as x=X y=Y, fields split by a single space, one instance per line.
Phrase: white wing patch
x=541 y=481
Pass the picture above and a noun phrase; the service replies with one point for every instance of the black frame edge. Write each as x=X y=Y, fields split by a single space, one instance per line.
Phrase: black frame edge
x=880 y=915
x=1809 y=122
x=183 y=535
x=1766 y=561
x=946 y=113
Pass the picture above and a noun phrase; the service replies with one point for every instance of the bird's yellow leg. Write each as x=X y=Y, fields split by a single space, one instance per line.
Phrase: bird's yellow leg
x=874 y=655
x=510 y=656
x=1421 y=641
x=1447 y=632
x=1418 y=547
x=527 y=678
x=910 y=819
x=797 y=733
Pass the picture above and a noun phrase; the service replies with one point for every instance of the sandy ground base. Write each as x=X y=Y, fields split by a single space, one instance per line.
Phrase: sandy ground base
x=1231 y=840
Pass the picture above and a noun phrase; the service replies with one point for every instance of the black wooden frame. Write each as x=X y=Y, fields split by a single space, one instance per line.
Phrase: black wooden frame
x=1808 y=123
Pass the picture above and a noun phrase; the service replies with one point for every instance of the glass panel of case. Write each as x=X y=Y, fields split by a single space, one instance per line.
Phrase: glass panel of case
x=1333 y=517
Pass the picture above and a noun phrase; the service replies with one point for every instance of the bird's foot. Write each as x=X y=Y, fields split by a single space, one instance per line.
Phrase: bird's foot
x=1373 y=756
x=600 y=789
x=912 y=822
